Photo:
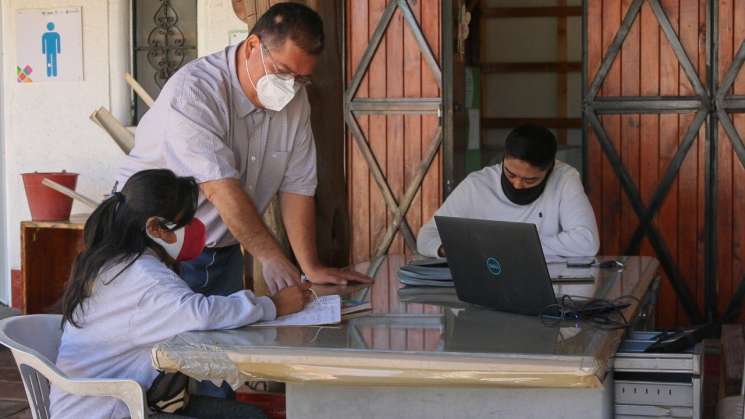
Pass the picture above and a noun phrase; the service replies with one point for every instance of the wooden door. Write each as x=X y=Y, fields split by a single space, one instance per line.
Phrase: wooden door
x=393 y=103
x=662 y=152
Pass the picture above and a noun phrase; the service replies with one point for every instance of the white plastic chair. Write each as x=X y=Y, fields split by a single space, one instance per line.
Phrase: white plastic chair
x=34 y=341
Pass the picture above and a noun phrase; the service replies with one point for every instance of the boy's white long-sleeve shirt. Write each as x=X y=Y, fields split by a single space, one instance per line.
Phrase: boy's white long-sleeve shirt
x=563 y=214
x=125 y=317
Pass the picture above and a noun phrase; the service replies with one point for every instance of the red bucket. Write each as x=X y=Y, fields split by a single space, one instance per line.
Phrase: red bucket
x=45 y=203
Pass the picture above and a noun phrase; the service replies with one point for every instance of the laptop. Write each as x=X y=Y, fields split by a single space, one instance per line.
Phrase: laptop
x=497 y=264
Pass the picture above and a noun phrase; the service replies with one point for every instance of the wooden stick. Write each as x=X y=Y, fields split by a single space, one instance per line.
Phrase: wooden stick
x=141 y=92
x=69 y=192
x=380 y=179
x=123 y=137
x=414 y=186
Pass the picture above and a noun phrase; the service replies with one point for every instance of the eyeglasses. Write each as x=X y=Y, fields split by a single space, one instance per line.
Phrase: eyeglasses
x=286 y=75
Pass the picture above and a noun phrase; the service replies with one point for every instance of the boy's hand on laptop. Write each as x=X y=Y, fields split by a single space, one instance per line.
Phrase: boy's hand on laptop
x=292 y=299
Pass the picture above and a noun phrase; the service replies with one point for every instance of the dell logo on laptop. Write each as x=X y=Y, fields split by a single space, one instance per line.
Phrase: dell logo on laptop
x=493 y=265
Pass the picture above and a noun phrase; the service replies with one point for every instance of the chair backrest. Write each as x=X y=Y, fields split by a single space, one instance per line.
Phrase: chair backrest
x=40 y=333
x=34 y=341
x=33 y=337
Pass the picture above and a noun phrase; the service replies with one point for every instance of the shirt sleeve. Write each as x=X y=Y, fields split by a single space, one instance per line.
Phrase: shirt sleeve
x=168 y=307
x=193 y=145
x=456 y=205
x=578 y=230
x=300 y=176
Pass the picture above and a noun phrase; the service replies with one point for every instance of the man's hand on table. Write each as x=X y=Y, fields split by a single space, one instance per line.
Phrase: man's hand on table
x=328 y=275
x=238 y=212
x=279 y=273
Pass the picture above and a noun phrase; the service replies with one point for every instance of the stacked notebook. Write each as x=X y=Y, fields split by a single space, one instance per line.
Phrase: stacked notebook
x=426 y=273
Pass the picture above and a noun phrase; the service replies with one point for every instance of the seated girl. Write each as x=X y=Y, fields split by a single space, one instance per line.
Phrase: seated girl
x=124 y=295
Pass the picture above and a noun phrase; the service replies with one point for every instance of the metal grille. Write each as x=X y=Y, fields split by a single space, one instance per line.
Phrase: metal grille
x=165 y=38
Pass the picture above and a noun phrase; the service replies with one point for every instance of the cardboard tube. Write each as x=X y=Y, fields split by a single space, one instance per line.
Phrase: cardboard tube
x=123 y=137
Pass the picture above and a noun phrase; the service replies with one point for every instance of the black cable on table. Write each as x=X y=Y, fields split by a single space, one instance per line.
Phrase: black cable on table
x=606 y=314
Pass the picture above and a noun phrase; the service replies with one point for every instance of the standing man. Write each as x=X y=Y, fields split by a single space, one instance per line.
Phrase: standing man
x=238 y=121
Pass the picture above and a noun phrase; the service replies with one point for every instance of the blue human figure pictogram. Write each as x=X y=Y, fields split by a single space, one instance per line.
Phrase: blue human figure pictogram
x=51 y=46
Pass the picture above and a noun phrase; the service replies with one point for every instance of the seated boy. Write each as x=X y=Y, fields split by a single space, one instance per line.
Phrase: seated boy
x=529 y=186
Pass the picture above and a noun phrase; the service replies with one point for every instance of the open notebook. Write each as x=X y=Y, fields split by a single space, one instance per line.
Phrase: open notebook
x=324 y=310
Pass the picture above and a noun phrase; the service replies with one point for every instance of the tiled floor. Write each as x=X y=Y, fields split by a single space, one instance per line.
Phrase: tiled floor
x=13 y=403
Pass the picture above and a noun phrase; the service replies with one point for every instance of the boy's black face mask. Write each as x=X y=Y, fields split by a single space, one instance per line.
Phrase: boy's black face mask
x=524 y=196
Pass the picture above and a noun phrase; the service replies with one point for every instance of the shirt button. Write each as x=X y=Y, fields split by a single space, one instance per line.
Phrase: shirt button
x=253 y=158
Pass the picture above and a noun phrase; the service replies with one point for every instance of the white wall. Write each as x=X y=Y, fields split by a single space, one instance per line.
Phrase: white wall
x=215 y=21
x=45 y=126
x=120 y=59
x=529 y=95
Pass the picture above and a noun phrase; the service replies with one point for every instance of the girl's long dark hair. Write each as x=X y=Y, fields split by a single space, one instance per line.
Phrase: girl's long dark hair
x=115 y=232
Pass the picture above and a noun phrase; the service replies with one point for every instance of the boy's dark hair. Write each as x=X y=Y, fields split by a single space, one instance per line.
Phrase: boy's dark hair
x=532 y=143
x=293 y=21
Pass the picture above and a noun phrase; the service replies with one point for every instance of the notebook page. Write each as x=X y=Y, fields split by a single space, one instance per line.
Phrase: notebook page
x=325 y=310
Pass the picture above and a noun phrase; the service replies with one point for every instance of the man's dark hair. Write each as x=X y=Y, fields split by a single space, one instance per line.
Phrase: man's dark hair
x=532 y=143
x=296 y=22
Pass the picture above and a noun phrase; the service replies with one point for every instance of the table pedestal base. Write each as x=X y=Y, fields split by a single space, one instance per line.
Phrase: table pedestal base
x=352 y=402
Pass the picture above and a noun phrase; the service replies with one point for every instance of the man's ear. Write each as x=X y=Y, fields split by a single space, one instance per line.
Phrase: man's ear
x=253 y=41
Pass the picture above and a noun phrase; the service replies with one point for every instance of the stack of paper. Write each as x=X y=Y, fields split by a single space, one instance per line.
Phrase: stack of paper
x=426 y=272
